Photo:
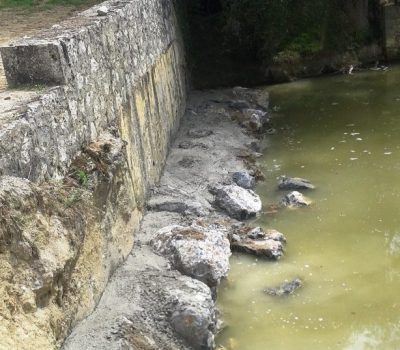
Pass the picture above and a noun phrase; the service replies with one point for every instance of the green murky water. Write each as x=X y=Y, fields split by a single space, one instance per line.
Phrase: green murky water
x=342 y=133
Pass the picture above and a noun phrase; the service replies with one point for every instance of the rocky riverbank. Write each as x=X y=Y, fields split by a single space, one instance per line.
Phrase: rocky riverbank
x=163 y=297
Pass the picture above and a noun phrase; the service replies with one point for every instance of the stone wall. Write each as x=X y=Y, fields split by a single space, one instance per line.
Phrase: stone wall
x=84 y=134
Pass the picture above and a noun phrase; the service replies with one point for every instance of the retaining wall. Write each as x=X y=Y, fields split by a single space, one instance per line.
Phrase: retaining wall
x=92 y=80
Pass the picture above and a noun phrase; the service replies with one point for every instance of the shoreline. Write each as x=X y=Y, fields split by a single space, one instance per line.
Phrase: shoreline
x=147 y=302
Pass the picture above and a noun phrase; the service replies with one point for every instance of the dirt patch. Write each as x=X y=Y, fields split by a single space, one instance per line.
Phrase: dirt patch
x=17 y=22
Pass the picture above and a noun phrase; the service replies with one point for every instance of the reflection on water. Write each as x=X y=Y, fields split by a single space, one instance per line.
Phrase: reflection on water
x=343 y=134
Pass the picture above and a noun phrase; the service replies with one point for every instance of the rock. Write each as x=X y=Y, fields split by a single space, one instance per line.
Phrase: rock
x=238 y=202
x=254 y=146
x=177 y=206
x=295 y=200
x=257 y=97
x=193 y=315
x=263 y=247
x=244 y=179
x=294 y=183
x=102 y=11
x=199 y=133
x=256 y=241
x=258 y=232
x=254 y=119
x=286 y=288
x=239 y=104
x=200 y=252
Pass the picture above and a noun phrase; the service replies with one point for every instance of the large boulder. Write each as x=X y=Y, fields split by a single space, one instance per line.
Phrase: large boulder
x=294 y=183
x=200 y=252
x=238 y=202
x=295 y=200
x=256 y=241
x=193 y=314
x=244 y=179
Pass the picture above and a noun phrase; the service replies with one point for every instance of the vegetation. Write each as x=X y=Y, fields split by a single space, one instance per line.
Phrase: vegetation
x=230 y=35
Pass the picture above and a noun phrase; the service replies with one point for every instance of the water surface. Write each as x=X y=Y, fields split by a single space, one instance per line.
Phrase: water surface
x=342 y=133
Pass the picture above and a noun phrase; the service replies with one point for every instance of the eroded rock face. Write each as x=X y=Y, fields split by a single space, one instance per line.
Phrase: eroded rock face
x=238 y=202
x=193 y=314
x=295 y=200
x=200 y=252
x=268 y=244
x=244 y=179
x=294 y=183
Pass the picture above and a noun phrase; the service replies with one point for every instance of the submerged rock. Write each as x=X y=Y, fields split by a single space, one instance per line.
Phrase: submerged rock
x=193 y=315
x=238 y=202
x=200 y=252
x=295 y=200
x=286 y=288
x=294 y=183
x=244 y=179
x=256 y=241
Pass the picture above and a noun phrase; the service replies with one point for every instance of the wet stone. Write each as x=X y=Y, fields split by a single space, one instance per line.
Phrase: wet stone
x=238 y=202
x=295 y=200
x=286 y=288
x=294 y=183
x=268 y=244
x=244 y=179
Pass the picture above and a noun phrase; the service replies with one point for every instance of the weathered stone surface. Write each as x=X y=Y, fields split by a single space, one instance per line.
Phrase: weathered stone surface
x=294 y=183
x=286 y=288
x=102 y=11
x=244 y=179
x=238 y=202
x=258 y=232
x=123 y=71
x=200 y=252
x=256 y=241
x=193 y=315
x=137 y=75
x=177 y=206
x=295 y=200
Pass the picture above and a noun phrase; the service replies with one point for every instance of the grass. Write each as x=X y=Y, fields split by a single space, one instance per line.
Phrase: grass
x=42 y=3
